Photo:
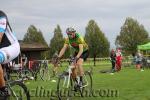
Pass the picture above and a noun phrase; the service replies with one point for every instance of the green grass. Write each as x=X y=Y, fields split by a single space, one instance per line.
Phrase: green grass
x=128 y=84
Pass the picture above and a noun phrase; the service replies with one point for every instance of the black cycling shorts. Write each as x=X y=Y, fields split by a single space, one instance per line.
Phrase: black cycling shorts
x=84 y=55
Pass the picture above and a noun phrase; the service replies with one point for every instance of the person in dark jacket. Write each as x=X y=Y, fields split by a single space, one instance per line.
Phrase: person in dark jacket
x=113 y=59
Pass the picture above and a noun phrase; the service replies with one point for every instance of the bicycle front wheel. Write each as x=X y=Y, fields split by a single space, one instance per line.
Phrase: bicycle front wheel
x=44 y=74
x=18 y=91
x=65 y=90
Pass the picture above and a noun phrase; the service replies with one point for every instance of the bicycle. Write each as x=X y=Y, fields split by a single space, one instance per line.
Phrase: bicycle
x=65 y=85
x=16 y=88
x=38 y=69
x=32 y=72
x=20 y=73
x=46 y=73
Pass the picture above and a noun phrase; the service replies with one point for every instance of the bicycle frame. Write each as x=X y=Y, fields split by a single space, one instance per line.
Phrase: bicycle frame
x=69 y=72
x=67 y=80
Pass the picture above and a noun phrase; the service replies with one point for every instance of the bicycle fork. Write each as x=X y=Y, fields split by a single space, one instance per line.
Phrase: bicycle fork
x=67 y=78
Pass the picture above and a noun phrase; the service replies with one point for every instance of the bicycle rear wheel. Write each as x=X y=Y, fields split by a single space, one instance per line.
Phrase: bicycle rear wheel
x=18 y=91
x=86 y=89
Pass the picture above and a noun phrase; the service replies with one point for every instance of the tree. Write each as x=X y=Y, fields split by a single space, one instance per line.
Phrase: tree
x=33 y=35
x=131 y=35
x=56 y=43
x=96 y=40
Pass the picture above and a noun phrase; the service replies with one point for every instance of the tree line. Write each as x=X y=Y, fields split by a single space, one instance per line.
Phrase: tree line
x=131 y=34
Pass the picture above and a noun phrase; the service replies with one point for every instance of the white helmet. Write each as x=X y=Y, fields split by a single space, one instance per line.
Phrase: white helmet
x=70 y=29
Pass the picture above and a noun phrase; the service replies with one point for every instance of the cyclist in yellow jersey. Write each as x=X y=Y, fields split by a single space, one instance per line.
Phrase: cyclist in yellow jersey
x=81 y=51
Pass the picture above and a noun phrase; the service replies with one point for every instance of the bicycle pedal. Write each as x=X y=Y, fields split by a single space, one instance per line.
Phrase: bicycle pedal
x=76 y=88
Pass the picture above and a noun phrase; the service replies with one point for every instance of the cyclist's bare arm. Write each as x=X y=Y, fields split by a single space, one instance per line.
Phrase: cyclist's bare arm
x=2 y=81
x=1 y=35
x=63 y=50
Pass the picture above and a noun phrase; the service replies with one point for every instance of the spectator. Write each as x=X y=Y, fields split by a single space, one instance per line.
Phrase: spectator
x=23 y=60
x=113 y=60
x=118 y=60
x=134 y=58
x=139 y=58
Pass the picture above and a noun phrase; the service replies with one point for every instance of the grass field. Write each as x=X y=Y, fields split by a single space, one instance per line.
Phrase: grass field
x=128 y=84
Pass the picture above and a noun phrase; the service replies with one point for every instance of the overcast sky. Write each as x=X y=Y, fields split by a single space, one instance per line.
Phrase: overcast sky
x=110 y=15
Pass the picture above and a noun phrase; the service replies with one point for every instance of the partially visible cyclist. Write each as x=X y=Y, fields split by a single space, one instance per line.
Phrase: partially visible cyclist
x=76 y=41
x=9 y=48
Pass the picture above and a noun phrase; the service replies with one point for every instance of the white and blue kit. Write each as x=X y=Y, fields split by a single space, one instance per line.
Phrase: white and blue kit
x=9 y=46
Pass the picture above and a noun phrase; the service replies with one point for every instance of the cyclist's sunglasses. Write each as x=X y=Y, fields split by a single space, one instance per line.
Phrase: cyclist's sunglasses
x=69 y=33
